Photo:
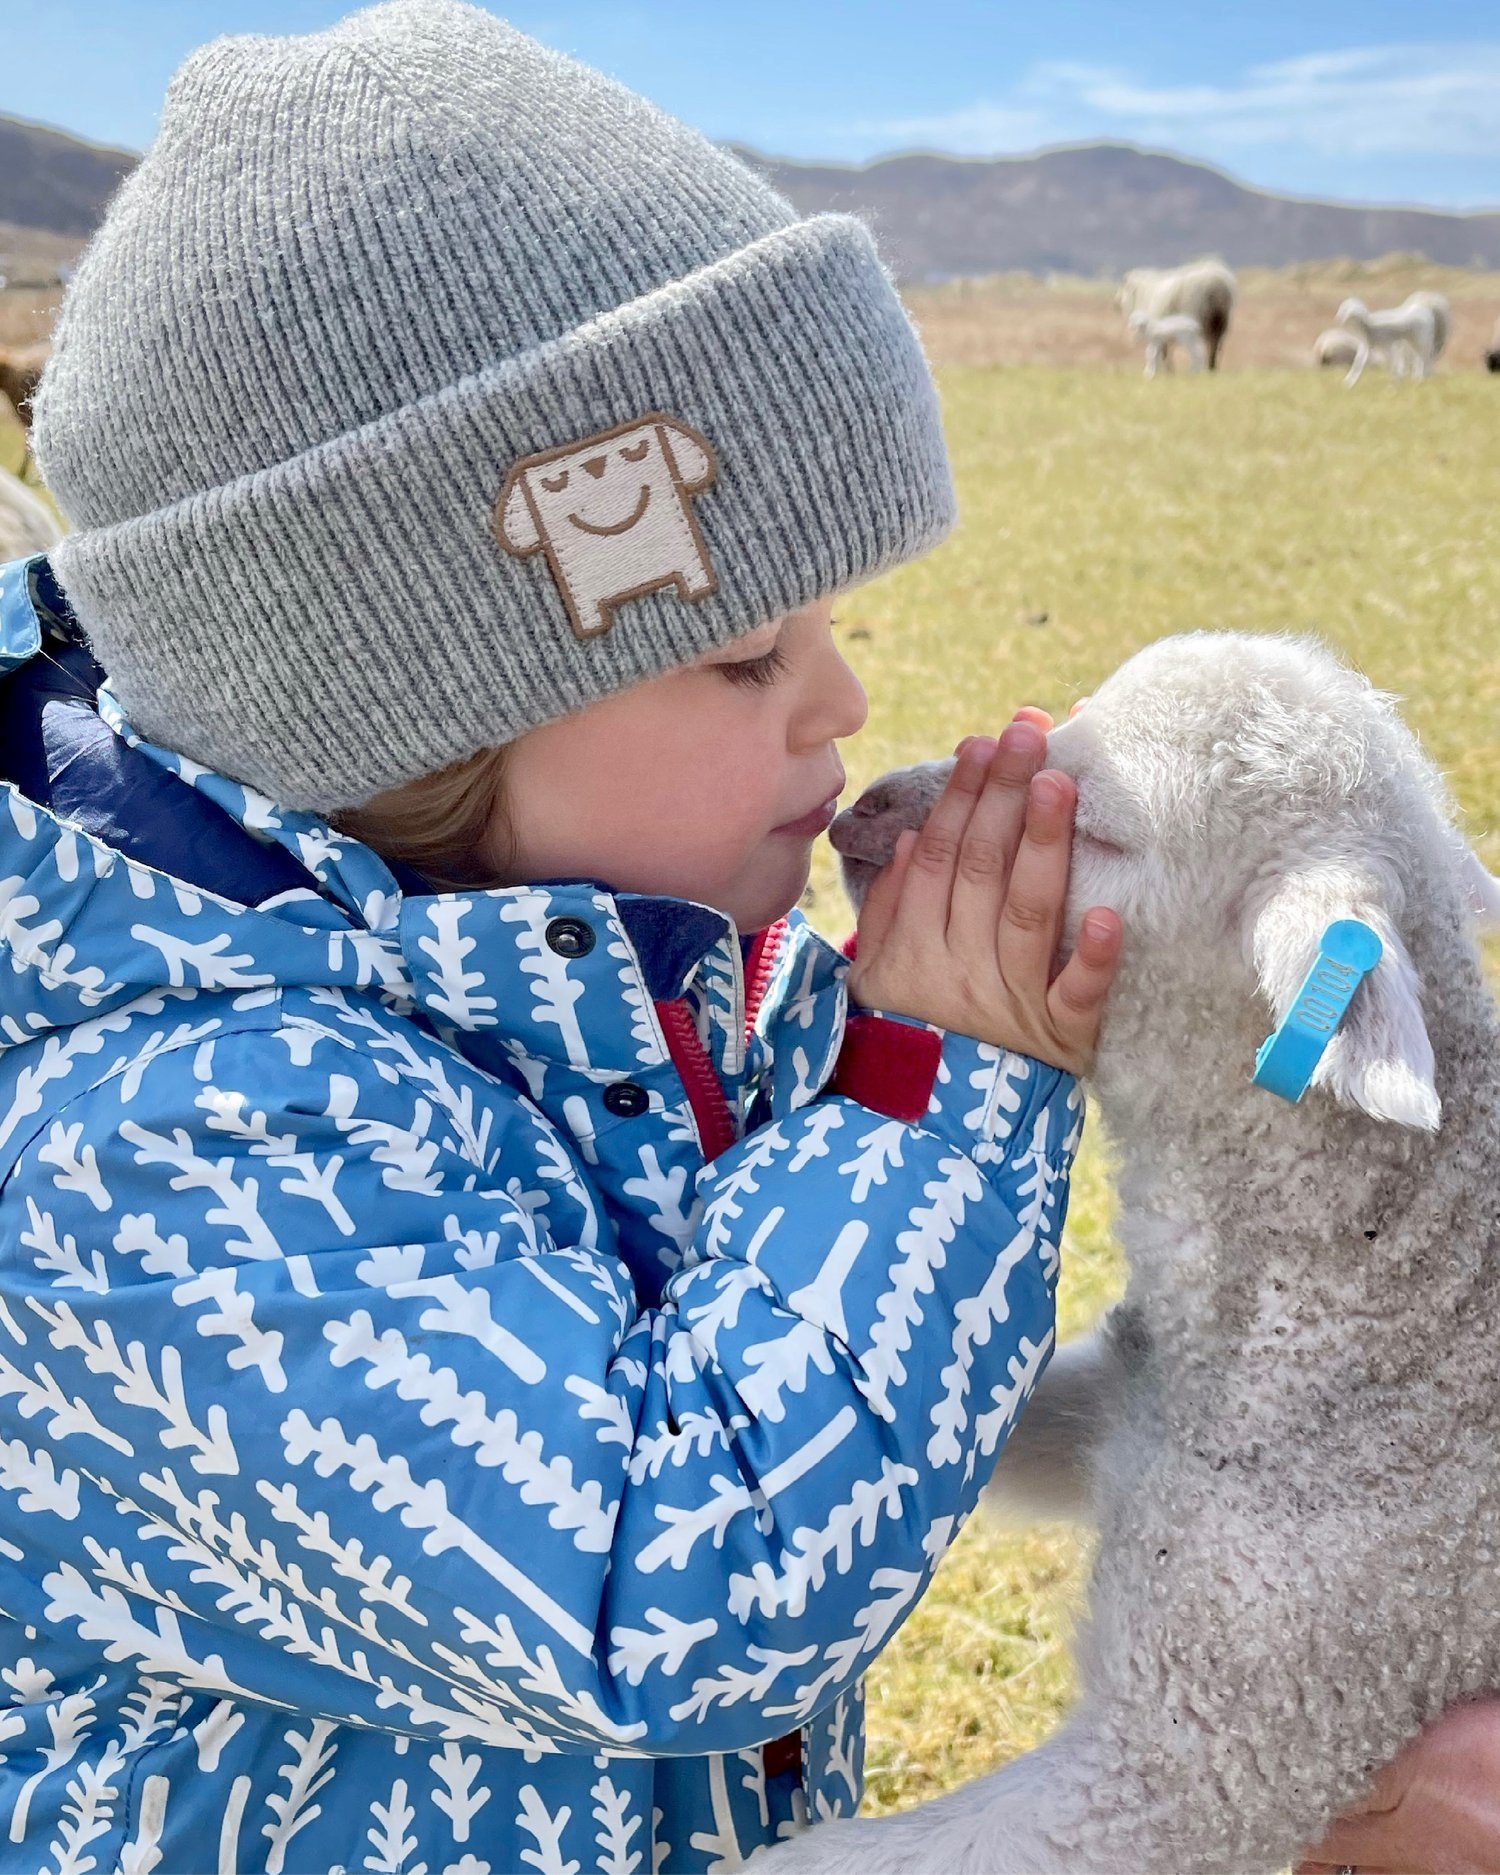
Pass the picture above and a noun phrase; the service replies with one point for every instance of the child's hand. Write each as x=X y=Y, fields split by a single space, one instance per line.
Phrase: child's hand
x=961 y=928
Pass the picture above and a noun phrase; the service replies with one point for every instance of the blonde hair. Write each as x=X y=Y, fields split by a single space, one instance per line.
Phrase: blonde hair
x=449 y=825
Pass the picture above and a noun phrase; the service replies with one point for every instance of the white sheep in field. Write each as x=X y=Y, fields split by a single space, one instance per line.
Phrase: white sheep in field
x=1406 y=336
x=1442 y=317
x=1289 y=1432
x=1336 y=346
x=27 y=524
x=1160 y=335
x=1205 y=290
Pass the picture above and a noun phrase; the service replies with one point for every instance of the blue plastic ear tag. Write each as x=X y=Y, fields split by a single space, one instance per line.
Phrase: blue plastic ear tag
x=1288 y=1058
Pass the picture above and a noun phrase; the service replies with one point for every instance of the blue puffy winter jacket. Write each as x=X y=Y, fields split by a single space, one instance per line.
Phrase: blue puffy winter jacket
x=474 y=1366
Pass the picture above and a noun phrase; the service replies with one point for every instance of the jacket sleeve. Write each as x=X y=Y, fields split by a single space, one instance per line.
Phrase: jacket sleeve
x=310 y=1400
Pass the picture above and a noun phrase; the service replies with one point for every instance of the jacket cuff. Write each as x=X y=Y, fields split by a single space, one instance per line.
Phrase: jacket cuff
x=983 y=1099
x=889 y=1065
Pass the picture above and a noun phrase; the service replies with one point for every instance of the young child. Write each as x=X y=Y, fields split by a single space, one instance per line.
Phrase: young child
x=485 y=1347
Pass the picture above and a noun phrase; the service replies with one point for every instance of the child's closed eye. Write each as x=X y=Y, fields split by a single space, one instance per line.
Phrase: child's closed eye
x=758 y=673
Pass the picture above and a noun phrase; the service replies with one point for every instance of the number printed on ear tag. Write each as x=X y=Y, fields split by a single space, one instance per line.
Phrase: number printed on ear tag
x=1347 y=952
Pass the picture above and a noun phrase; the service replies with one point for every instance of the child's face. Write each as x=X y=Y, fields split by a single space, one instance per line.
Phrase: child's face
x=688 y=784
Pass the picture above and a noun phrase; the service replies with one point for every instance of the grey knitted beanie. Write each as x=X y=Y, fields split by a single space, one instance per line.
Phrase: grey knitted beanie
x=423 y=385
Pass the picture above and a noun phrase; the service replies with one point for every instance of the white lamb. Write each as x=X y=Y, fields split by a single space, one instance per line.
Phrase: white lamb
x=1290 y=1428
x=1409 y=336
x=1205 y=290
x=1442 y=317
x=1335 y=346
x=1162 y=334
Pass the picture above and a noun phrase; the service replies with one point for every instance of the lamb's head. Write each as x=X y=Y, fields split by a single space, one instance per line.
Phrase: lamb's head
x=1236 y=795
x=1131 y=293
x=1353 y=312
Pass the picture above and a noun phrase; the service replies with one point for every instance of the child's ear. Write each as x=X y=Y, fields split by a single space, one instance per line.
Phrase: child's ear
x=1380 y=1060
x=518 y=528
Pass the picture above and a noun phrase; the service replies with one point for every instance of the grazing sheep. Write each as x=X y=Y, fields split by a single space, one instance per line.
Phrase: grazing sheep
x=1442 y=317
x=1162 y=334
x=1406 y=336
x=27 y=524
x=1492 y=356
x=1336 y=346
x=1289 y=1429
x=1205 y=290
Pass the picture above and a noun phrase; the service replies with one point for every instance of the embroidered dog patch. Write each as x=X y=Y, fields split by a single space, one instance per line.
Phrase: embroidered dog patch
x=614 y=516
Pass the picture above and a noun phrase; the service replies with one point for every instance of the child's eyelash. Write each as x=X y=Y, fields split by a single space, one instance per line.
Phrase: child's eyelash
x=757 y=672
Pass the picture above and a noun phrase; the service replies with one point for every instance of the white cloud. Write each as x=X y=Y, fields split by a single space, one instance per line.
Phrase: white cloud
x=1368 y=101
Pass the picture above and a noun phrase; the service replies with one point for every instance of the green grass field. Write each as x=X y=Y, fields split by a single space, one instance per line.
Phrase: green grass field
x=1099 y=512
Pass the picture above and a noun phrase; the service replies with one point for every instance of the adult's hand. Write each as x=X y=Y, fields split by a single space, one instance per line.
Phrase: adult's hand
x=1435 y=1810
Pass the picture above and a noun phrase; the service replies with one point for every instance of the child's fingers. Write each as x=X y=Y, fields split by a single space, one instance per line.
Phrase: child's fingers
x=1076 y=1000
x=990 y=840
x=1028 y=713
x=1032 y=919
x=927 y=877
x=878 y=912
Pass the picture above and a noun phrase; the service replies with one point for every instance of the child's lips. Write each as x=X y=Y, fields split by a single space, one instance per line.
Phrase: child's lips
x=817 y=820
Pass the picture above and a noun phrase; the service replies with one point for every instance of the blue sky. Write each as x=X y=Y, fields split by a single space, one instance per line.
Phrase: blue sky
x=1364 y=99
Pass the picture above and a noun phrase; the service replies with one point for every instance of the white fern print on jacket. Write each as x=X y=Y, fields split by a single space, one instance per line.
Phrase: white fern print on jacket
x=417 y=1453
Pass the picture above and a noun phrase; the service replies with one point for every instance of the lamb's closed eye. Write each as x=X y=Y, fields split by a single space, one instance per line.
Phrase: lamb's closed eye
x=1086 y=838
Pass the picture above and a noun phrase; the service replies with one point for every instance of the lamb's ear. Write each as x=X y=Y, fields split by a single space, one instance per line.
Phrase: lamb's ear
x=517 y=528
x=1381 y=1058
x=1482 y=887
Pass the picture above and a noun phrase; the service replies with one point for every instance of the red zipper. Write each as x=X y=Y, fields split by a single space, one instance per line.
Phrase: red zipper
x=759 y=966
x=711 y=1110
x=704 y=1090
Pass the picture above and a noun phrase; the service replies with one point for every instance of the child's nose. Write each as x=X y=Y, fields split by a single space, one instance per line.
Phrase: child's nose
x=595 y=465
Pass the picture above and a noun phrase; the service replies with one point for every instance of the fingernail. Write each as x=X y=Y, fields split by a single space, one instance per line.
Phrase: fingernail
x=1046 y=791
x=1099 y=929
x=1023 y=738
x=979 y=748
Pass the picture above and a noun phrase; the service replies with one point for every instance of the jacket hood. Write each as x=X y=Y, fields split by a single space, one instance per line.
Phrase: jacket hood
x=126 y=868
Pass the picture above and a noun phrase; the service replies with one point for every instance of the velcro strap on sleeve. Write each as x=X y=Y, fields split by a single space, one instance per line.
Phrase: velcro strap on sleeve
x=888 y=1066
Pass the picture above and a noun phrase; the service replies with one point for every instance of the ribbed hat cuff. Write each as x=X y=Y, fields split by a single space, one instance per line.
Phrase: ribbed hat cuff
x=400 y=635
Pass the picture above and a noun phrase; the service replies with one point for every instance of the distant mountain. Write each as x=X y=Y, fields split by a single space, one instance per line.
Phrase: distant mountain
x=1102 y=207
x=1091 y=208
x=53 y=181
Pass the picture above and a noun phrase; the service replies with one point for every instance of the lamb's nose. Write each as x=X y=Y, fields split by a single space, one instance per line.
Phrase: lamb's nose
x=595 y=465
